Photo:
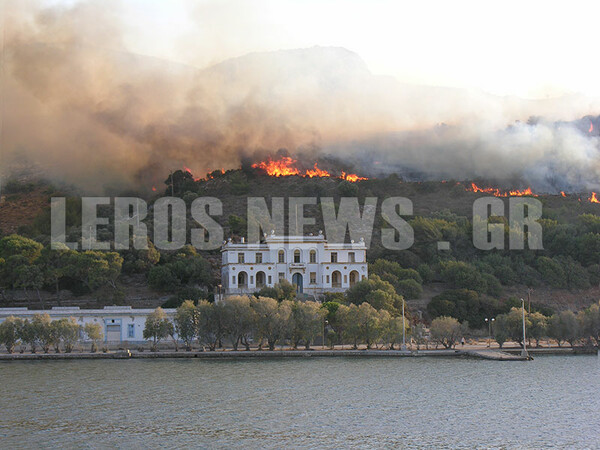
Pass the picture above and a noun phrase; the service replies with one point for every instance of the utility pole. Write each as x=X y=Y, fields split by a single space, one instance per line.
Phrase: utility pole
x=529 y=291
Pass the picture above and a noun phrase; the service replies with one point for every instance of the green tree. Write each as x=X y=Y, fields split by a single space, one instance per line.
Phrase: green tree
x=186 y=323
x=211 y=328
x=43 y=333
x=15 y=245
x=306 y=321
x=446 y=331
x=157 y=327
x=271 y=319
x=9 y=332
x=564 y=327
x=538 y=328
x=238 y=320
x=94 y=334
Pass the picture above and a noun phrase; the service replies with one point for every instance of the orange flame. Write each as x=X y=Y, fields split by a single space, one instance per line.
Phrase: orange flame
x=498 y=193
x=351 y=177
x=593 y=198
x=153 y=188
x=563 y=193
x=591 y=127
x=286 y=166
x=282 y=168
x=317 y=172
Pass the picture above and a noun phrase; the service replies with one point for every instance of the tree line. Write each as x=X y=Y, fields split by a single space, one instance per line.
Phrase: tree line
x=44 y=333
x=266 y=322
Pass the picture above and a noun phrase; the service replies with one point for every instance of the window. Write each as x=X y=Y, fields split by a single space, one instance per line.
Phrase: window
x=336 y=279
x=130 y=330
x=281 y=256
x=333 y=257
x=281 y=276
x=240 y=258
x=313 y=278
x=313 y=256
x=233 y=279
x=270 y=279
x=345 y=279
x=327 y=279
x=296 y=256
x=351 y=257
x=259 y=258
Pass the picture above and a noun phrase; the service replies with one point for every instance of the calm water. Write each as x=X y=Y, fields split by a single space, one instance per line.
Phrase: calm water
x=316 y=402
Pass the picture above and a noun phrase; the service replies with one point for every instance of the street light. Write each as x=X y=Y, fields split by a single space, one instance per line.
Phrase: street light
x=403 y=329
x=524 y=351
x=325 y=323
x=489 y=322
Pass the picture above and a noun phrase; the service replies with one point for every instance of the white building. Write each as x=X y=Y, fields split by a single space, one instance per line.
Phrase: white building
x=310 y=262
x=119 y=323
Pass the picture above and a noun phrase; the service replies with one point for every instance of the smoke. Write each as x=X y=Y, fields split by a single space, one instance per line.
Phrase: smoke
x=83 y=108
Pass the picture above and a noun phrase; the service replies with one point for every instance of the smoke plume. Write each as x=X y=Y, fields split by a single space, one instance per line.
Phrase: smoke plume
x=81 y=106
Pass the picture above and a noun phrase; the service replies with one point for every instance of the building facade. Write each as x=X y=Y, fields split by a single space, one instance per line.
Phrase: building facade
x=309 y=262
x=119 y=323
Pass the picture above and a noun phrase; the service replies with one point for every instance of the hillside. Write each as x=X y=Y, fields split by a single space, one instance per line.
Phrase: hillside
x=563 y=275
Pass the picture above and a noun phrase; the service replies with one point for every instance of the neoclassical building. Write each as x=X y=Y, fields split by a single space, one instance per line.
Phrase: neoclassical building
x=310 y=262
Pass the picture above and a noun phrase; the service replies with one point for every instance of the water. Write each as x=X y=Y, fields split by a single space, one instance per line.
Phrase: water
x=313 y=402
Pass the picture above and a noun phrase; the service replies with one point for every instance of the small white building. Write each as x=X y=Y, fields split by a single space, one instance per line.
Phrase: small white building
x=310 y=262
x=119 y=323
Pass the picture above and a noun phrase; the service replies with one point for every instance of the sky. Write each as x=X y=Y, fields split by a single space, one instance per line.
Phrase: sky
x=529 y=49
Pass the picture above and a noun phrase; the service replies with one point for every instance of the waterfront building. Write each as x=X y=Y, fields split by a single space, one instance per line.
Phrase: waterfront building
x=311 y=263
x=119 y=323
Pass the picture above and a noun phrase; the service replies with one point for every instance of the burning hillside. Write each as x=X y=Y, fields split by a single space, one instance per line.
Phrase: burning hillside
x=502 y=193
x=286 y=166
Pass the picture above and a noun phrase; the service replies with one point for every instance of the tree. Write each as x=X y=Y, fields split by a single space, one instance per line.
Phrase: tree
x=368 y=324
x=29 y=334
x=347 y=318
x=157 y=327
x=94 y=334
x=271 y=319
x=564 y=327
x=67 y=332
x=211 y=328
x=15 y=245
x=238 y=320
x=43 y=333
x=538 y=328
x=162 y=278
x=9 y=332
x=364 y=290
x=186 y=323
x=501 y=331
x=446 y=331
x=392 y=328
x=306 y=321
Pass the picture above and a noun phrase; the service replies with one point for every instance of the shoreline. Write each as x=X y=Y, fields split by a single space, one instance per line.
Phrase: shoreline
x=489 y=354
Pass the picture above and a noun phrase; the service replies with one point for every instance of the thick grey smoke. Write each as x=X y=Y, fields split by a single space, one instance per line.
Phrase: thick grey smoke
x=78 y=104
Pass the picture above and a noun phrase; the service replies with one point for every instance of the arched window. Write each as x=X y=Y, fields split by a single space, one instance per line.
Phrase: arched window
x=296 y=256
x=260 y=279
x=353 y=277
x=281 y=256
x=313 y=256
x=336 y=279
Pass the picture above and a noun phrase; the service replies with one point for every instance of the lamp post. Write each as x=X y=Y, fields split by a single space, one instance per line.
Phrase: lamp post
x=403 y=329
x=325 y=323
x=524 y=351
x=489 y=322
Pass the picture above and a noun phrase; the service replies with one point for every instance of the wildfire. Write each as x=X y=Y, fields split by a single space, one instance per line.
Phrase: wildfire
x=286 y=166
x=316 y=172
x=351 y=177
x=591 y=127
x=499 y=193
x=563 y=193
x=594 y=198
